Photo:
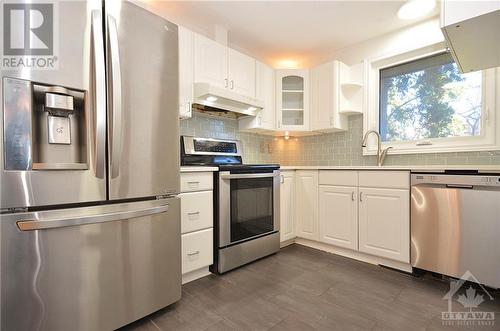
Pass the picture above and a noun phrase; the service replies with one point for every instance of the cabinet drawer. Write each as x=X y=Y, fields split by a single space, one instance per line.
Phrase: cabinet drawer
x=385 y=179
x=196 y=181
x=196 y=211
x=338 y=178
x=197 y=250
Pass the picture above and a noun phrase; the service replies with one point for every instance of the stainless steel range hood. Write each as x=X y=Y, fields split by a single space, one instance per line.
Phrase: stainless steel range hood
x=226 y=100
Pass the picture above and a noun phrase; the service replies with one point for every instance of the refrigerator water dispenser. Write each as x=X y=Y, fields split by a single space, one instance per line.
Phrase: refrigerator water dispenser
x=45 y=127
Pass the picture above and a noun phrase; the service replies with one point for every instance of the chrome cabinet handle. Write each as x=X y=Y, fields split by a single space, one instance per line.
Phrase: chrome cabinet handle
x=361 y=196
x=99 y=94
x=194 y=213
x=115 y=97
x=282 y=179
x=226 y=82
x=352 y=196
x=232 y=84
x=50 y=223
x=193 y=253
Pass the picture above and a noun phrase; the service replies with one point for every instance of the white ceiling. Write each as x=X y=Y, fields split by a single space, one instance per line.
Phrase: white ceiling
x=304 y=31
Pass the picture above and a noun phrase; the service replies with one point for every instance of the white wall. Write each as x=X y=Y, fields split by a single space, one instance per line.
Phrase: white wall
x=404 y=40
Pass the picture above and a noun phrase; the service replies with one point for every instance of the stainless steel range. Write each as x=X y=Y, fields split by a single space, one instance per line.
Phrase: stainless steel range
x=246 y=202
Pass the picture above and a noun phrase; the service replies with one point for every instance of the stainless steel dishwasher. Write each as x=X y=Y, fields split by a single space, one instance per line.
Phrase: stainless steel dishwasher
x=455 y=225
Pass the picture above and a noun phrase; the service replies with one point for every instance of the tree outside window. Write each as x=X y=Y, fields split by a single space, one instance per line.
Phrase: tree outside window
x=429 y=98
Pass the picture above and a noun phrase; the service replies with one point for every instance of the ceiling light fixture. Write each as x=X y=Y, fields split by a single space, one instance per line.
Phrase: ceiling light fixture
x=288 y=64
x=416 y=8
x=211 y=98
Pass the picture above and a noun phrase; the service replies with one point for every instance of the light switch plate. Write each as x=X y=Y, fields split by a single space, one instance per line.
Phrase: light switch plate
x=59 y=130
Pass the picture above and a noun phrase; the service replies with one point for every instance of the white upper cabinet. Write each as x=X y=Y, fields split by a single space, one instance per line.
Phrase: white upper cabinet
x=186 y=72
x=472 y=30
x=210 y=62
x=264 y=90
x=306 y=204
x=325 y=86
x=223 y=67
x=241 y=73
x=292 y=100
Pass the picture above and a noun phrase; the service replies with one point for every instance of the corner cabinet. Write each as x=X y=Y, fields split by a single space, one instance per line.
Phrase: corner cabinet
x=287 y=205
x=292 y=100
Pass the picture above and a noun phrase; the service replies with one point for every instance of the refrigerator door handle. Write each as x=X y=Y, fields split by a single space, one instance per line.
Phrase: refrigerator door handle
x=50 y=223
x=115 y=96
x=99 y=91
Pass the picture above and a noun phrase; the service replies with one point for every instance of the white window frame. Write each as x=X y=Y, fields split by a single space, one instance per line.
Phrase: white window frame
x=488 y=140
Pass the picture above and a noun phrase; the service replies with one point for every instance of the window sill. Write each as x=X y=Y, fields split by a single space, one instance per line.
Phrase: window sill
x=395 y=150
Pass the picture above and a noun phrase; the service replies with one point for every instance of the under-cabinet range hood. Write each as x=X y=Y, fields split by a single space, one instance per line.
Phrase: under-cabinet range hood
x=220 y=98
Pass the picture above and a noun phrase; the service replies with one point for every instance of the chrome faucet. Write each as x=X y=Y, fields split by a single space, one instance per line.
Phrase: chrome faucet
x=381 y=154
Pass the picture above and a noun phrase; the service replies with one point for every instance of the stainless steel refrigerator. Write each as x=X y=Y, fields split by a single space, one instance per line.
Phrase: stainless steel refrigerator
x=90 y=221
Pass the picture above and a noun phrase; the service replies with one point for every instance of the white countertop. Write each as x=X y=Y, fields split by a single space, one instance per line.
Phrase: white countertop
x=423 y=168
x=198 y=169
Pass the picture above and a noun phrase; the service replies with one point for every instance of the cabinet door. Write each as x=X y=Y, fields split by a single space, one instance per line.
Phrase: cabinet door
x=292 y=100
x=338 y=216
x=287 y=206
x=264 y=90
x=210 y=62
x=306 y=204
x=186 y=71
x=384 y=223
x=241 y=73
x=322 y=97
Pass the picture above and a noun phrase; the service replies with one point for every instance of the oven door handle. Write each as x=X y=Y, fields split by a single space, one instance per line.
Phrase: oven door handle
x=243 y=176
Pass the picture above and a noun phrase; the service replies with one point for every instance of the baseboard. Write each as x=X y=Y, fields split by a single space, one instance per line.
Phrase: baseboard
x=287 y=242
x=406 y=267
x=195 y=274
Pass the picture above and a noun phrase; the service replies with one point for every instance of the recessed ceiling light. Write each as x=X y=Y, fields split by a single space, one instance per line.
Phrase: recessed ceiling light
x=211 y=98
x=415 y=8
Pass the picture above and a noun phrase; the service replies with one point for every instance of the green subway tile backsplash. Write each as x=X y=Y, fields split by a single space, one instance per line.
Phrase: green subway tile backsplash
x=326 y=149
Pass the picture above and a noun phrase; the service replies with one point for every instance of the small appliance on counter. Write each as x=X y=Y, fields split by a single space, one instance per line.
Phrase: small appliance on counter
x=246 y=202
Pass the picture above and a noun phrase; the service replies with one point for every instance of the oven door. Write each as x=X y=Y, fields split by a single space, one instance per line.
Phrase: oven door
x=248 y=205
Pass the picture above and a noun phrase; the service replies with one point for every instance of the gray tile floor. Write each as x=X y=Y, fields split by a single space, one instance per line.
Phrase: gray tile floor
x=305 y=289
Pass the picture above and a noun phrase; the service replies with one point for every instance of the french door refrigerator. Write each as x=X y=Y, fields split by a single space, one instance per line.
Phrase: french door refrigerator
x=90 y=218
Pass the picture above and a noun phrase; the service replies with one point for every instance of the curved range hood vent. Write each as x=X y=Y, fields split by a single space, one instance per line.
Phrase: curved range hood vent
x=216 y=98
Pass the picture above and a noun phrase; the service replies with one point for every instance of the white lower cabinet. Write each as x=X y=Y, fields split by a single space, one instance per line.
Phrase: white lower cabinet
x=287 y=206
x=384 y=223
x=306 y=204
x=197 y=221
x=197 y=250
x=338 y=216
x=196 y=211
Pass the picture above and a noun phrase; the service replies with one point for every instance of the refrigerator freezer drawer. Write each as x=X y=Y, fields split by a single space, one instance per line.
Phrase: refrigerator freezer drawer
x=99 y=275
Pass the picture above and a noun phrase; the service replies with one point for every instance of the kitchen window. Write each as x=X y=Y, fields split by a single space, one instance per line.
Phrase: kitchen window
x=421 y=102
